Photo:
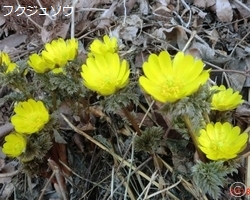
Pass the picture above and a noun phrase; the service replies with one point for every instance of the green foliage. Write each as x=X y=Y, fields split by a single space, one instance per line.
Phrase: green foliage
x=37 y=146
x=149 y=140
x=64 y=84
x=209 y=177
x=122 y=98
x=13 y=96
x=194 y=106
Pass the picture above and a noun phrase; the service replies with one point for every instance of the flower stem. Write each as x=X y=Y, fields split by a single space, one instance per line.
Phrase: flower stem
x=206 y=117
x=132 y=120
x=20 y=88
x=193 y=137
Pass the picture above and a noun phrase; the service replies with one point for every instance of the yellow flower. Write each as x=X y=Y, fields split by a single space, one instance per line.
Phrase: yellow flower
x=60 y=52
x=225 y=99
x=217 y=88
x=39 y=64
x=105 y=74
x=6 y=63
x=108 y=45
x=30 y=117
x=169 y=80
x=222 y=141
x=14 y=145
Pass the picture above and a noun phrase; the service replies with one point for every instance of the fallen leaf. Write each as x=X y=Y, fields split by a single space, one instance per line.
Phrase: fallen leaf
x=13 y=40
x=237 y=80
x=224 y=10
x=211 y=3
x=2 y=19
x=206 y=52
x=163 y=2
x=105 y=22
x=144 y=7
x=200 y=3
x=175 y=35
x=213 y=35
x=244 y=12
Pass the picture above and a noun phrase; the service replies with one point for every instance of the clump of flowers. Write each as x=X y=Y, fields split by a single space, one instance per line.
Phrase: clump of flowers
x=15 y=144
x=39 y=64
x=60 y=51
x=30 y=117
x=105 y=74
x=225 y=99
x=56 y=55
x=6 y=64
x=169 y=80
x=99 y=47
x=222 y=141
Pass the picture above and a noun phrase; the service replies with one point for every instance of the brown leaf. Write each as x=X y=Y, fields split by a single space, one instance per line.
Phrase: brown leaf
x=224 y=10
x=79 y=141
x=174 y=35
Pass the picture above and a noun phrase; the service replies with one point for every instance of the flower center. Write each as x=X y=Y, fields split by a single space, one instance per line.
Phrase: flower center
x=172 y=87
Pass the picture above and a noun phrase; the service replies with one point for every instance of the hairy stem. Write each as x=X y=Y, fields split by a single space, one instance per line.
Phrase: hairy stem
x=193 y=137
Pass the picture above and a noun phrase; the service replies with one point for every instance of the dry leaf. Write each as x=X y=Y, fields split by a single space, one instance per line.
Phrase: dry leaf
x=206 y=52
x=144 y=7
x=213 y=36
x=105 y=22
x=2 y=19
x=163 y=2
x=211 y=3
x=204 y=3
x=224 y=10
x=13 y=40
x=237 y=80
x=200 y=3
x=175 y=35
x=243 y=11
x=129 y=30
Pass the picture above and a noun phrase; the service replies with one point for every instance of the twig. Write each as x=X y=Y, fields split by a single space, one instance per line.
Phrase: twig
x=166 y=189
x=5 y=175
x=72 y=29
x=231 y=70
x=235 y=46
x=242 y=4
x=60 y=179
x=125 y=12
x=193 y=34
x=146 y=114
x=127 y=189
x=30 y=18
x=190 y=13
x=46 y=185
x=44 y=12
x=153 y=177
x=125 y=162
